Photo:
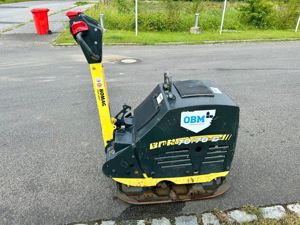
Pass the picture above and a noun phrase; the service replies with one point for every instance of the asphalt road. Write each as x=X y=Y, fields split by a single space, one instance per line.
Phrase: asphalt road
x=14 y=14
x=51 y=150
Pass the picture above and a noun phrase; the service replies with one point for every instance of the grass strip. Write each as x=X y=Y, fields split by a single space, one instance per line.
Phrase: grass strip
x=113 y=37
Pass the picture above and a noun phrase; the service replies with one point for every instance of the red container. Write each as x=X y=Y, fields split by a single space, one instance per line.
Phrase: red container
x=40 y=17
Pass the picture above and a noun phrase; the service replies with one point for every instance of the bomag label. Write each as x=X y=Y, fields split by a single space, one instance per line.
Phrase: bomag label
x=101 y=97
x=190 y=140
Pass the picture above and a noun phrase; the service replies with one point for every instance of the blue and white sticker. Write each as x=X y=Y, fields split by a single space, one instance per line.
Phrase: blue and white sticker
x=197 y=121
x=159 y=98
x=216 y=90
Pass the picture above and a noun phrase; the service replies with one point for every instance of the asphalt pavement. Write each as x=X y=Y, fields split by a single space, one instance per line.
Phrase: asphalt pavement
x=17 y=17
x=51 y=150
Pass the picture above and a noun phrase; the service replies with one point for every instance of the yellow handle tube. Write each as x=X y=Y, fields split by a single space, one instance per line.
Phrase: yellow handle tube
x=100 y=89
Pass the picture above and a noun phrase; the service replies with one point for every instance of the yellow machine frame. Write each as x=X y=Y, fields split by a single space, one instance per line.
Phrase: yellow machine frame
x=100 y=89
x=149 y=181
x=108 y=127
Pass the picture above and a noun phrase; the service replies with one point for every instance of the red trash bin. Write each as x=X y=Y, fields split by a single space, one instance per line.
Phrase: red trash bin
x=40 y=17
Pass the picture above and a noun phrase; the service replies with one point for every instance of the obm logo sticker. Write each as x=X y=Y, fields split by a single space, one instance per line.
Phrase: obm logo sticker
x=197 y=121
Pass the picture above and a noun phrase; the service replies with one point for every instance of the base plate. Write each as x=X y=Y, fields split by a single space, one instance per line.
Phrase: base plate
x=175 y=193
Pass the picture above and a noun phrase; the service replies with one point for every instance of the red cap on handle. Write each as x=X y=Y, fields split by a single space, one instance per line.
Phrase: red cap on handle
x=79 y=26
x=72 y=13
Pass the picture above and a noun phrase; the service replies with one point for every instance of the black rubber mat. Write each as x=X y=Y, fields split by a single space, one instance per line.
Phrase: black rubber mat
x=192 y=88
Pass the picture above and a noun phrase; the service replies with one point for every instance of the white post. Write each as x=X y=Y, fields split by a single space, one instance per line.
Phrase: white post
x=223 y=16
x=102 y=21
x=196 y=20
x=296 y=30
x=136 y=17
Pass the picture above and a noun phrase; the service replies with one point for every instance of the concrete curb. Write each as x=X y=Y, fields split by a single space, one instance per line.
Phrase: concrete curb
x=245 y=214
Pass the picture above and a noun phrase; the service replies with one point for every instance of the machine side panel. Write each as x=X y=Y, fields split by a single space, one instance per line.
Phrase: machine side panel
x=170 y=150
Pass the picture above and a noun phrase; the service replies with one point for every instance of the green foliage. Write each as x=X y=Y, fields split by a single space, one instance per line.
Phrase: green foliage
x=153 y=22
x=166 y=15
x=124 y=6
x=80 y=3
x=250 y=209
x=177 y=16
x=257 y=13
x=287 y=14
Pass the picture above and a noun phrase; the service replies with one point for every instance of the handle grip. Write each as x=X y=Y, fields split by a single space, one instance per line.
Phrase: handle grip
x=85 y=47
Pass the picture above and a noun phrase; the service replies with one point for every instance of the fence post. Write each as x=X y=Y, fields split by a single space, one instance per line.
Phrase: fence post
x=297 y=26
x=136 y=17
x=197 y=20
x=223 y=16
x=196 y=29
x=102 y=22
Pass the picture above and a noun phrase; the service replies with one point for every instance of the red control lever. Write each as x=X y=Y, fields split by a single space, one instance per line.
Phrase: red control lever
x=72 y=13
x=79 y=26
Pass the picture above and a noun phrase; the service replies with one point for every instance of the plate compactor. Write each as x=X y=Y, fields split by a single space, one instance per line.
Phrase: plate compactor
x=177 y=145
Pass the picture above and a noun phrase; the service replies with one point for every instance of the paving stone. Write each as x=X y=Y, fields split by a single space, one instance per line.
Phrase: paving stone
x=140 y=222
x=273 y=212
x=162 y=221
x=241 y=216
x=186 y=220
x=295 y=208
x=210 y=219
x=109 y=222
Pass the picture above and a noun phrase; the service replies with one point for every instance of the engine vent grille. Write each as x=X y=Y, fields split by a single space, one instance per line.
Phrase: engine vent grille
x=216 y=154
x=174 y=158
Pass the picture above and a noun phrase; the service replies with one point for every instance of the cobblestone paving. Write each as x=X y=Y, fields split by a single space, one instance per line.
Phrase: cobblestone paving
x=235 y=216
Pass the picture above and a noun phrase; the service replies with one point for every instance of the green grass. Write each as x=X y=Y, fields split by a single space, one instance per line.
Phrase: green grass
x=158 y=28
x=166 y=16
x=81 y=3
x=152 y=38
x=164 y=22
x=250 y=209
